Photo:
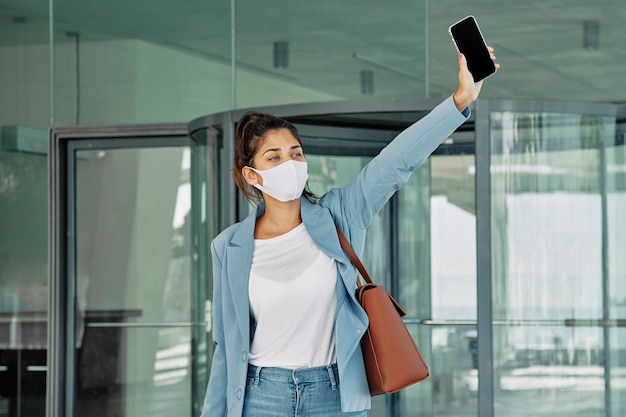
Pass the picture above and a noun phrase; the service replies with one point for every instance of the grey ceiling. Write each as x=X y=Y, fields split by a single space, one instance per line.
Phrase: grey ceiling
x=538 y=42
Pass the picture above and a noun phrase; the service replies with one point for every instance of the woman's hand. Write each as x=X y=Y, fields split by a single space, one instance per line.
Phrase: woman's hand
x=468 y=90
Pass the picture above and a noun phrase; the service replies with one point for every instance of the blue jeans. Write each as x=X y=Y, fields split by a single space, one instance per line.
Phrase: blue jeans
x=305 y=392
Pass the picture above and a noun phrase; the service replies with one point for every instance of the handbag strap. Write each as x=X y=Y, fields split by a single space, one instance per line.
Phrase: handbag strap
x=345 y=245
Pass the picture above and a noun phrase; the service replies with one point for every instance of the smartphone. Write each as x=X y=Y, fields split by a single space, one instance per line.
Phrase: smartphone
x=470 y=42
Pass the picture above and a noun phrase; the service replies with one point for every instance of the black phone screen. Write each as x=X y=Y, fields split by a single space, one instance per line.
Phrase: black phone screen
x=469 y=41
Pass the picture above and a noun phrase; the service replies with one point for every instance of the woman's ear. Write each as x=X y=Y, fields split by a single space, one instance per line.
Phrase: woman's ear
x=251 y=177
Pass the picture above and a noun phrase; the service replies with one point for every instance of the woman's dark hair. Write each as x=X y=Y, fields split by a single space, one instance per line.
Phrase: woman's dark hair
x=249 y=134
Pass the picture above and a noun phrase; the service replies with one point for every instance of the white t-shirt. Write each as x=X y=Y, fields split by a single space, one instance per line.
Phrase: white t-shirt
x=293 y=300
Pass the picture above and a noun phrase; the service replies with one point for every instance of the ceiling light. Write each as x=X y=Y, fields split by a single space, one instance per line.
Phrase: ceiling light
x=281 y=54
x=591 y=34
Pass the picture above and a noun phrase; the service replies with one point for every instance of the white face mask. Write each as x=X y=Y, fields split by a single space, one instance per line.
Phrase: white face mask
x=284 y=182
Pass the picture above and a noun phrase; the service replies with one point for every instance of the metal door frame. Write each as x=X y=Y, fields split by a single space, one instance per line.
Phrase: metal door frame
x=63 y=143
x=484 y=277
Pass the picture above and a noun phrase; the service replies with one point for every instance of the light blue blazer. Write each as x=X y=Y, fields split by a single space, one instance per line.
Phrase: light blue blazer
x=352 y=208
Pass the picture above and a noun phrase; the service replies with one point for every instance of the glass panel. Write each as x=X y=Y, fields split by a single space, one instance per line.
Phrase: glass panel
x=414 y=285
x=452 y=387
x=134 y=275
x=414 y=235
x=140 y=61
x=437 y=283
x=547 y=261
x=119 y=377
x=24 y=117
x=615 y=172
x=25 y=69
x=205 y=219
x=453 y=223
x=23 y=278
x=340 y=50
x=147 y=62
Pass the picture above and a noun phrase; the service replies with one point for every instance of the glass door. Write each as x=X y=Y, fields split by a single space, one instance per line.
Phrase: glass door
x=131 y=212
x=436 y=279
x=557 y=244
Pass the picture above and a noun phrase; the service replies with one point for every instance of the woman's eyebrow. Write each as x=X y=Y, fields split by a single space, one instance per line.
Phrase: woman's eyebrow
x=278 y=149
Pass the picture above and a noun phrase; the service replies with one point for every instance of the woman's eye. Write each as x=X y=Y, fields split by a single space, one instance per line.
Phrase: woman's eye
x=274 y=158
x=297 y=155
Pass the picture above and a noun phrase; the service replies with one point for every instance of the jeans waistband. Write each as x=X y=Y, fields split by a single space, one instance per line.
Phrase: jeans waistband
x=314 y=374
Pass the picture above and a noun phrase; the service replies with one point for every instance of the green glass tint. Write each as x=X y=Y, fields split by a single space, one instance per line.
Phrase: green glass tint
x=134 y=276
x=309 y=52
x=23 y=277
x=140 y=62
x=24 y=118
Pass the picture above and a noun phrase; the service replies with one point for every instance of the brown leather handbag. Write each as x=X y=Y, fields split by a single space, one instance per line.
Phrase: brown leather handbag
x=392 y=359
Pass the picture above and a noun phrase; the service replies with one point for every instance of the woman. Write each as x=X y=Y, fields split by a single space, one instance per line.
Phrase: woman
x=286 y=324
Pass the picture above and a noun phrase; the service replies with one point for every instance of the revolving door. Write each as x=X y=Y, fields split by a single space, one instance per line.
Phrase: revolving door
x=504 y=248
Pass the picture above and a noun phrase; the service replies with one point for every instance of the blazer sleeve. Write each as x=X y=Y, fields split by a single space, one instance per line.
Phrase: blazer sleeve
x=215 y=396
x=392 y=167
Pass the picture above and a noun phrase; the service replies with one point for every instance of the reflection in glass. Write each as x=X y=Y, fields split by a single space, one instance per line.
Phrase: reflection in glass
x=437 y=281
x=23 y=277
x=548 y=281
x=24 y=118
x=133 y=267
x=615 y=174
x=453 y=237
x=149 y=63
x=331 y=55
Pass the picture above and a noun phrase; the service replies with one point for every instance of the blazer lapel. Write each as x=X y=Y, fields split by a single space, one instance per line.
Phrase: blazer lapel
x=238 y=263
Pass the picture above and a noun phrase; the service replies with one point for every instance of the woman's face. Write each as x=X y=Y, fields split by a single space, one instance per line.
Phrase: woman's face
x=277 y=147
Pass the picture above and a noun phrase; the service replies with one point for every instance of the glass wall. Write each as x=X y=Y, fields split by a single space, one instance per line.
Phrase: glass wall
x=556 y=186
x=138 y=61
x=24 y=115
x=127 y=62
x=23 y=280
x=325 y=51
x=614 y=174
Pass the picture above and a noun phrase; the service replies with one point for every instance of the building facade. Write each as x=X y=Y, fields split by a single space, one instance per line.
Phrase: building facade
x=506 y=247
